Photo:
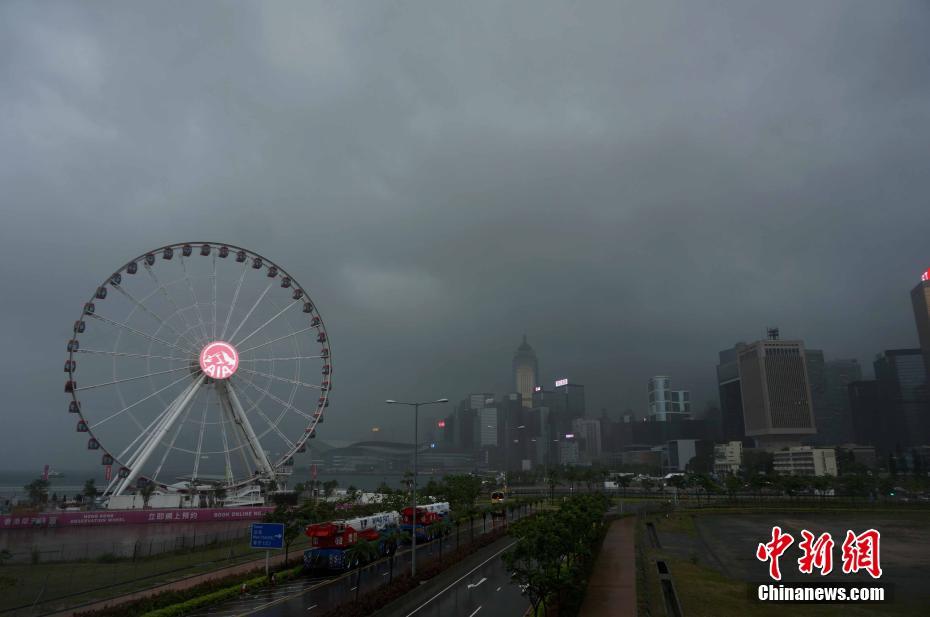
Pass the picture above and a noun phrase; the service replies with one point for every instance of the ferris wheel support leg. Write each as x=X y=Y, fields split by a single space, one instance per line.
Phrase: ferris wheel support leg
x=148 y=447
x=242 y=421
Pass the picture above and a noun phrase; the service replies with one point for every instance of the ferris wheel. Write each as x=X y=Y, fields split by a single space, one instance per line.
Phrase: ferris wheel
x=198 y=363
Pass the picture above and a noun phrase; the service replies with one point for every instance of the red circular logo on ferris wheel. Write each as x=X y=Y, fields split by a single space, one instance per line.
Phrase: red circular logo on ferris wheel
x=219 y=360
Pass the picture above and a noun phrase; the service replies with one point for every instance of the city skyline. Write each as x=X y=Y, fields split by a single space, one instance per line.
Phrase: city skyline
x=632 y=208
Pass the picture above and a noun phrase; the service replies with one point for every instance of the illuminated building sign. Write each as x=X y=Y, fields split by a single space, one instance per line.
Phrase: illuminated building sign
x=569 y=435
x=926 y=275
x=561 y=382
x=537 y=389
x=441 y=424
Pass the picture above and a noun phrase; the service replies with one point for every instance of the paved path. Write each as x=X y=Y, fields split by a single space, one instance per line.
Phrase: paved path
x=612 y=587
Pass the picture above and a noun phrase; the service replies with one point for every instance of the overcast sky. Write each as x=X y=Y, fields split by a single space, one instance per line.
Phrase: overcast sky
x=635 y=186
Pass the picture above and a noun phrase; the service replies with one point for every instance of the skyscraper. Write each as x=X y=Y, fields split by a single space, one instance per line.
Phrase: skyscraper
x=835 y=425
x=731 y=394
x=664 y=403
x=776 y=392
x=920 y=299
x=525 y=372
x=902 y=378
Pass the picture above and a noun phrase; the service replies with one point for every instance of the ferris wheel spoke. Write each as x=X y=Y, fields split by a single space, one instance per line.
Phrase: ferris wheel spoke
x=225 y=414
x=261 y=327
x=174 y=439
x=238 y=434
x=124 y=380
x=190 y=287
x=152 y=314
x=140 y=333
x=141 y=400
x=272 y=425
x=279 y=359
x=203 y=427
x=130 y=355
x=278 y=400
x=243 y=422
x=284 y=379
x=252 y=310
x=164 y=291
x=140 y=458
x=280 y=338
x=213 y=277
x=232 y=305
x=146 y=434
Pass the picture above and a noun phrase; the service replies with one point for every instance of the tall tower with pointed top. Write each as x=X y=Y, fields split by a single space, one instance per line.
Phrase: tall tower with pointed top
x=525 y=372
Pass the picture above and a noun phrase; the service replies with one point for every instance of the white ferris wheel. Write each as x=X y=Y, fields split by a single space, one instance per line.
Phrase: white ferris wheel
x=198 y=363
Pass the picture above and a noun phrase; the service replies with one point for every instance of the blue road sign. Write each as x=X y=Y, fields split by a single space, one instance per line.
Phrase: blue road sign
x=267 y=535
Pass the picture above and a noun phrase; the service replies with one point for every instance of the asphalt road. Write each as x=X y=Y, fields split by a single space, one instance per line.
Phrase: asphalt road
x=309 y=596
x=481 y=590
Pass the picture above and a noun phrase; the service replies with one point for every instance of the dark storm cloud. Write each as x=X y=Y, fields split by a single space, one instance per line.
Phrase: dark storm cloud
x=634 y=185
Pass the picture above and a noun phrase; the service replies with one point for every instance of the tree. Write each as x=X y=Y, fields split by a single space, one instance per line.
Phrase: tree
x=624 y=481
x=733 y=485
x=553 y=479
x=392 y=540
x=442 y=527
x=360 y=553
x=460 y=490
x=295 y=522
x=37 y=491
x=329 y=486
x=822 y=484
x=90 y=490
x=758 y=462
x=146 y=491
x=648 y=484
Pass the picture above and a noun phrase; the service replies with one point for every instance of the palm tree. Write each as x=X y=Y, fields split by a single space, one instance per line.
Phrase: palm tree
x=90 y=490
x=38 y=491
x=390 y=541
x=360 y=553
x=442 y=528
x=146 y=491
x=624 y=481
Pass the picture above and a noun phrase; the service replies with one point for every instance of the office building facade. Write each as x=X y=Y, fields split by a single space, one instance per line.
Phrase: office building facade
x=525 y=372
x=920 y=300
x=730 y=392
x=775 y=393
x=665 y=402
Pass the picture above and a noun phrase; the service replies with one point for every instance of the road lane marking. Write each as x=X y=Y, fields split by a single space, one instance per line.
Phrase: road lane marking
x=461 y=578
x=476 y=612
x=498 y=589
x=313 y=607
x=470 y=586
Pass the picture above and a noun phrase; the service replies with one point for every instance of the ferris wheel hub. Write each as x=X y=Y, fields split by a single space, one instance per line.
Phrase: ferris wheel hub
x=219 y=360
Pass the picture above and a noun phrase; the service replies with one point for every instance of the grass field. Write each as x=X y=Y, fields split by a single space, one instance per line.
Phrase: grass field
x=711 y=559
x=65 y=584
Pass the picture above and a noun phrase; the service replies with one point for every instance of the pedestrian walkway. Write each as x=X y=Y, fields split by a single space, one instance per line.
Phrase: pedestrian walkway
x=612 y=587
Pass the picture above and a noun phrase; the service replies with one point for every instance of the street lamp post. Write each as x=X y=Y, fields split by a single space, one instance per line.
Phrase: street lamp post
x=416 y=422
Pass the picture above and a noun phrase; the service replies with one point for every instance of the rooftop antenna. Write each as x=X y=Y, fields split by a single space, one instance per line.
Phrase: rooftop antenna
x=772 y=334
